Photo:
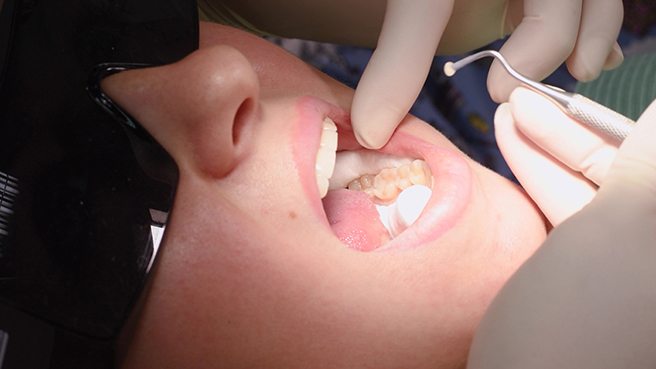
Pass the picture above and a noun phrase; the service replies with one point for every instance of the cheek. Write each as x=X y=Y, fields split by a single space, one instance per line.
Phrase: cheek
x=240 y=291
x=269 y=190
x=501 y=229
x=519 y=227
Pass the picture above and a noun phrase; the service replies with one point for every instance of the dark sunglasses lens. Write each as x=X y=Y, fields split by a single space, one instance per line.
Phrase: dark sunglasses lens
x=84 y=200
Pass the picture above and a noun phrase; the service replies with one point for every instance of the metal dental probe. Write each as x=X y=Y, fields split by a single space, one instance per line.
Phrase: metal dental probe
x=578 y=107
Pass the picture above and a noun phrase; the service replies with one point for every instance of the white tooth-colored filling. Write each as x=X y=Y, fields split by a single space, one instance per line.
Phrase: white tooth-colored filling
x=325 y=163
x=385 y=186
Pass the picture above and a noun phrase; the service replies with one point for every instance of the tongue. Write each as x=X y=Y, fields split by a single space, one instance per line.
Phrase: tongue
x=354 y=219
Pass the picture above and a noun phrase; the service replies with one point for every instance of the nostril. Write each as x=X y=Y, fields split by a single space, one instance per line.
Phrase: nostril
x=243 y=114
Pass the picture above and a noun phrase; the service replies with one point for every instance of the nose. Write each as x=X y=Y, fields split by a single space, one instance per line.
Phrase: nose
x=197 y=108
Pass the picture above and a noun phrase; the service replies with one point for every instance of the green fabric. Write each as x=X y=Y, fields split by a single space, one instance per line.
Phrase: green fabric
x=628 y=89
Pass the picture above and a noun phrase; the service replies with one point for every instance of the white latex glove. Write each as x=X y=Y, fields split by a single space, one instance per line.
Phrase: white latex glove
x=398 y=67
x=586 y=299
x=558 y=161
x=546 y=33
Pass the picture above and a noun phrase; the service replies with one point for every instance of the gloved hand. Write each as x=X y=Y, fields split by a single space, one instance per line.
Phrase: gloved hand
x=544 y=34
x=558 y=161
x=586 y=299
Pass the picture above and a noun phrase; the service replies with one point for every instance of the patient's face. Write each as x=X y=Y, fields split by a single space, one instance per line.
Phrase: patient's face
x=254 y=273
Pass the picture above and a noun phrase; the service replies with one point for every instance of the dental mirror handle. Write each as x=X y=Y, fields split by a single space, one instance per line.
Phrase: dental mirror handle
x=586 y=111
x=598 y=117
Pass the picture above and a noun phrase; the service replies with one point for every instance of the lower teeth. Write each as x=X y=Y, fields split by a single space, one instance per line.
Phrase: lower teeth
x=385 y=186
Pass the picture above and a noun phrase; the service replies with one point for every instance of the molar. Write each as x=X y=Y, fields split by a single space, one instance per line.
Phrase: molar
x=385 y=186
x=357 y=163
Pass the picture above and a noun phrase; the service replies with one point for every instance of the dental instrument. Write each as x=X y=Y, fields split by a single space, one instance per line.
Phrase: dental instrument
x=588 y=112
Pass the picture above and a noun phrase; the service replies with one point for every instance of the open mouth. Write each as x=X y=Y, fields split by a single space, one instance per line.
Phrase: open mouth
x=405 y=194
x=371 y=197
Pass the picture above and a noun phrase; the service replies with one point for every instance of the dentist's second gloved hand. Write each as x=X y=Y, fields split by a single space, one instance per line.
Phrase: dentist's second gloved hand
x=559 y=162
x=586 y=298
x=544 y=35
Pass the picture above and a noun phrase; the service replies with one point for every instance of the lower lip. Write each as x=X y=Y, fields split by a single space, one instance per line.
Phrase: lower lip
x=451 y=172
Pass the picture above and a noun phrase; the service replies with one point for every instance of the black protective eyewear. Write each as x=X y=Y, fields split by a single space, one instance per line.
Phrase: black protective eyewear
x=84 y=195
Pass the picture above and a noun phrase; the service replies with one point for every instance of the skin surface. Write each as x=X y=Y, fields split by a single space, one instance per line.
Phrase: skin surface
x=250 y=274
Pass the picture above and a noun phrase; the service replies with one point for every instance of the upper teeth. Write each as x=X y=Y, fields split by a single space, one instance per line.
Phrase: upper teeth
x=325 y=164
x=354 y=163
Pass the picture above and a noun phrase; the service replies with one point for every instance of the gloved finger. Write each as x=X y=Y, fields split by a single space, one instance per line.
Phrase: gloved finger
x=632 y=176
x=615 y=58
x=541 y=42
x=556 y=189
x=601 y=21
x=571 y=143
x=398 y=67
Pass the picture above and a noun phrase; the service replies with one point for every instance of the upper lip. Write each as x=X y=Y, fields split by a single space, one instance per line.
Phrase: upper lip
x=451 y=172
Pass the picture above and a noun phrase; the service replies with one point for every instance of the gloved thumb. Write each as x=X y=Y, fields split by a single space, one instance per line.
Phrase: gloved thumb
x=398 y=67
x=631 y=179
